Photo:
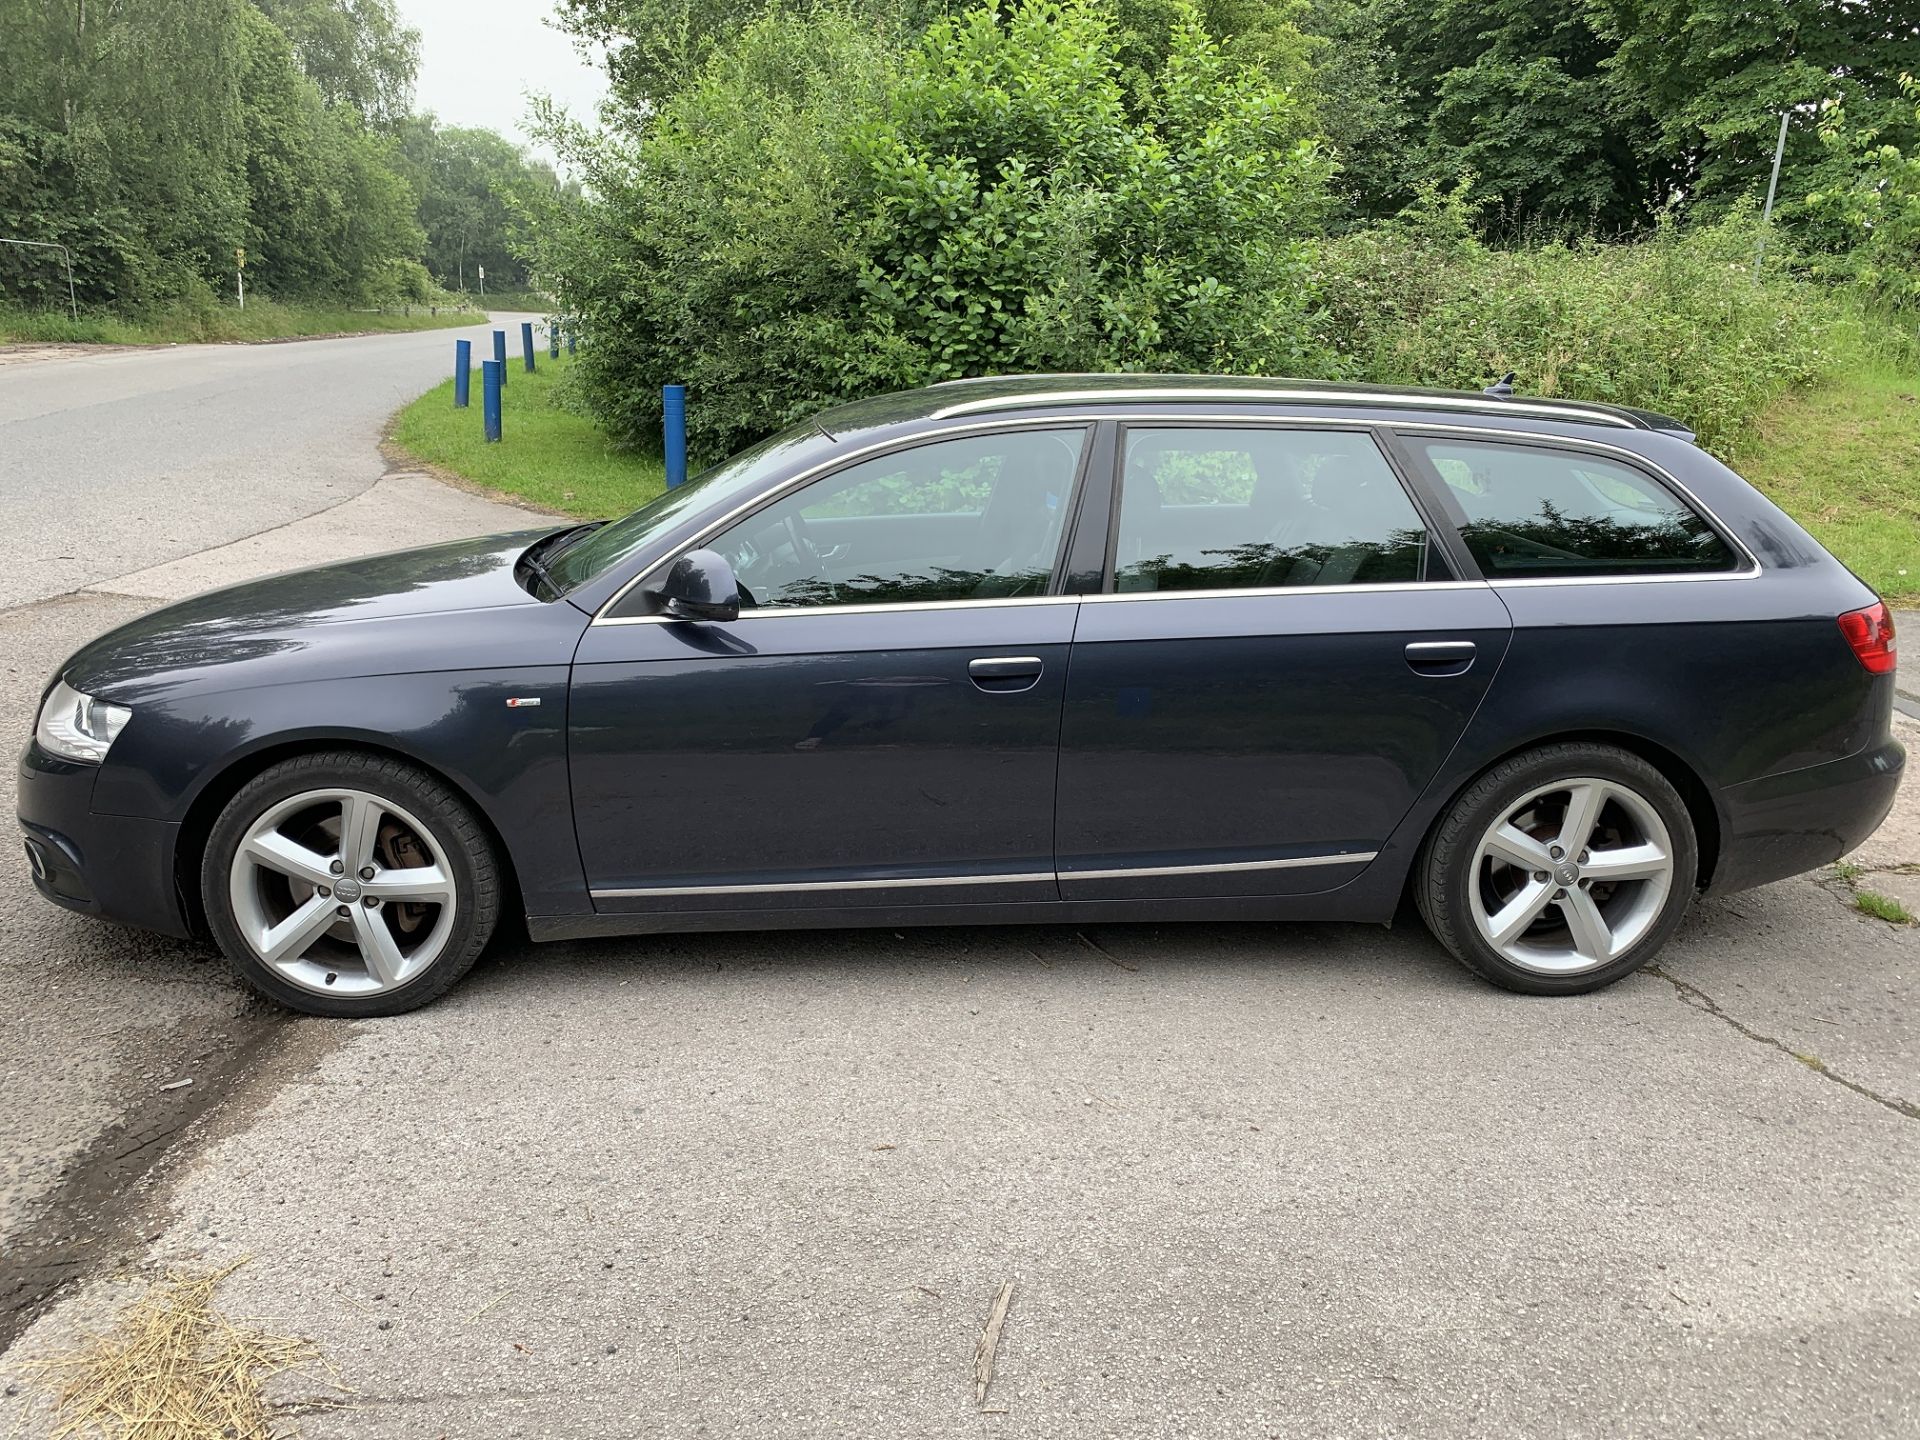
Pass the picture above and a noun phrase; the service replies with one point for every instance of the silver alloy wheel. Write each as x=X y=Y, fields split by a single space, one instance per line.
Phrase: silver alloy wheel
x=342 y=892
x=1571 y=877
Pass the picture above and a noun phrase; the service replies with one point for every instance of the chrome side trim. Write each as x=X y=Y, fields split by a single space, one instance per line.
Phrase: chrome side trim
x=807 y=886
x=1031 y=878
x=1359 y=857
x=1570 y=411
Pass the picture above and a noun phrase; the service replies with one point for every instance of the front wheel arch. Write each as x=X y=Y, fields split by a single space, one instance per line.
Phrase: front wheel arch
x=197 y=828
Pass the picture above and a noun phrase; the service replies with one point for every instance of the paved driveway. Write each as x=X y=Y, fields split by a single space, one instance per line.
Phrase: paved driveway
x=1244 y=1180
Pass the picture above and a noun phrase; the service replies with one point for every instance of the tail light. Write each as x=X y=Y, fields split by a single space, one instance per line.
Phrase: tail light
x=1870 y=633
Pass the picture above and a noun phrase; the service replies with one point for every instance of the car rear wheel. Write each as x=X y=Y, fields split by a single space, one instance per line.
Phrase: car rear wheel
x=349 y=885
x=1560 y=870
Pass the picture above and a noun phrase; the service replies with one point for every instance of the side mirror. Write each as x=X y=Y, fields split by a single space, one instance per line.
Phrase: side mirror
x=700 y=586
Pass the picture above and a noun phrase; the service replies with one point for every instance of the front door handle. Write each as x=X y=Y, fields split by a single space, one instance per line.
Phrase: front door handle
x=1004 y=674
x=1441 y=657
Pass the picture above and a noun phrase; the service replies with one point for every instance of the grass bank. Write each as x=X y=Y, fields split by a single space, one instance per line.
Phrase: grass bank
x=547 y=454
x=261 y=320
x=1843 y=458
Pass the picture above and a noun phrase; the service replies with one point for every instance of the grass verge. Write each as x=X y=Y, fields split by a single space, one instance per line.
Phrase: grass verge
x=547 y=455
x=1843 y=458
x=261 y=320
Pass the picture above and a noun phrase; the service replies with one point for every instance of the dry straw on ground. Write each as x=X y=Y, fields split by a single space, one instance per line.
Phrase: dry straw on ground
x=174 y=1368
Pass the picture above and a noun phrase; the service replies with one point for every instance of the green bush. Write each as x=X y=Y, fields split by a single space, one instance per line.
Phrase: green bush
x=1675 y=323
x=819 y=216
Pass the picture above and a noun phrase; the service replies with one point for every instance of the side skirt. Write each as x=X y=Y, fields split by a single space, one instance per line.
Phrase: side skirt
x=1373 y=903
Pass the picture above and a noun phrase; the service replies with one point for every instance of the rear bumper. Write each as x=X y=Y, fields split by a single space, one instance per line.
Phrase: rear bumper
x=114 y=866
x=1789 y=824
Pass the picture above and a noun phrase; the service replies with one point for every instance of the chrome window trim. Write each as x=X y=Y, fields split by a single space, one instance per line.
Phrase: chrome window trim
x=1635 y=460
x=1570 y=411
x=772 y=612
x=1405 y=427
x=839 y=462
x=1027 y=878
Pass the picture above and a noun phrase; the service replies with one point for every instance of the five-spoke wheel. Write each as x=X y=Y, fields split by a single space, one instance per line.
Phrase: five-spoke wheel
x=349 y=884
x=1561 y=869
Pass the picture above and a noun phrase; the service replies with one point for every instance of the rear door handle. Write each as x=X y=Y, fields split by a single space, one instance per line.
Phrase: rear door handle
x=1441 y=657
x=1005 y=673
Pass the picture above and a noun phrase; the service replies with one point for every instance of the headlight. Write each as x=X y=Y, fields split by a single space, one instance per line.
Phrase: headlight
x=78 y=727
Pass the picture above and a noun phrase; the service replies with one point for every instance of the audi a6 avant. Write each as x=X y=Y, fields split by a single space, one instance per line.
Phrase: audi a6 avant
x=1055 y=649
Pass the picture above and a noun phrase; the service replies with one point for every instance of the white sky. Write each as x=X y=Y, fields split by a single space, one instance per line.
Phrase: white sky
x=480 y=58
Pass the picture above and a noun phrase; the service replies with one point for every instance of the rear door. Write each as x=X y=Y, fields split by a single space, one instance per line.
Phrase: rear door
x=1282 y=655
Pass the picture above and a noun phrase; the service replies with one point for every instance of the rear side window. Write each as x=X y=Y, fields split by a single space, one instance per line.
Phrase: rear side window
x=1553 y=513
x=1257 y=508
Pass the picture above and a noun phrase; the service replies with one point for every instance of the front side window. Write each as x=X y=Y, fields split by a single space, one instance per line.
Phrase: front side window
x=967 y=519
x=1253 y=508
x=1532 y=511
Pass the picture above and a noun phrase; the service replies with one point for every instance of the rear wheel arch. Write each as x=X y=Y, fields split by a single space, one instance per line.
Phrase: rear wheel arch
x=197 y=828
x=1675 y=770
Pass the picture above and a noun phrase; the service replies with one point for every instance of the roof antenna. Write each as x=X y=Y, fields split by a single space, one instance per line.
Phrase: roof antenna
x=1502 y=387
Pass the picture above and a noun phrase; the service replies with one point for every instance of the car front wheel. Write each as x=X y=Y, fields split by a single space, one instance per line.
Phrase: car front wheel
x=349 y=885
x=1560 y=870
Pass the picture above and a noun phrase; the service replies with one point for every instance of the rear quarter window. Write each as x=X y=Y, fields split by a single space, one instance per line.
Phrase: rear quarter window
x=1531 y=511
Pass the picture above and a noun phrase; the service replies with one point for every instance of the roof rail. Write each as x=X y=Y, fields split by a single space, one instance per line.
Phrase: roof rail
x=1125 y=394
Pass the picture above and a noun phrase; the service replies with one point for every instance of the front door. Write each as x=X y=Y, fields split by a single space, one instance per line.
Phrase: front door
x=1279 y=665
x=881 y=725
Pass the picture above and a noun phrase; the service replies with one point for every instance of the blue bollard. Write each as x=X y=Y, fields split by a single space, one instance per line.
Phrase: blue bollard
x=500 y=353
x=553 y=339
x=493 y=374
x=462 y=372
x=526 y=343
x=673 y=406
x=570 y=334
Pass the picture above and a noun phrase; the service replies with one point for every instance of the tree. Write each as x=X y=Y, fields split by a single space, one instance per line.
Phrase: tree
x=467 y=180
x=1520 y=97
x=820 y=215
x=356 y=51
x=1715 y=78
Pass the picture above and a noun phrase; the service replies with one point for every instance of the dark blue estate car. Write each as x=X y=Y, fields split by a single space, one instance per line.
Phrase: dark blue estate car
x=1053 y=649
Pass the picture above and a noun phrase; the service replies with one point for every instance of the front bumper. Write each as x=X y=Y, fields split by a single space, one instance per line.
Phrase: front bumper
x=1789 y=824
x=114 y=866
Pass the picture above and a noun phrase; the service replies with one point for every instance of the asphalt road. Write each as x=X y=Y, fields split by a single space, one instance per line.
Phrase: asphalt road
x=1245 y=1180
x=122 y=458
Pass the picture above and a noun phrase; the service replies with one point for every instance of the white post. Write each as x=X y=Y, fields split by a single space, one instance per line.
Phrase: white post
x=1773 y=185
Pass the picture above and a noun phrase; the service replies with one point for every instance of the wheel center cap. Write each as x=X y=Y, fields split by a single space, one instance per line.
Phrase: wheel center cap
x=346 y=889
x=1567 y=873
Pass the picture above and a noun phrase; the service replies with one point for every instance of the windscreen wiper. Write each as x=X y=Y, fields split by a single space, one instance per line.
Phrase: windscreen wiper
x=543 y=552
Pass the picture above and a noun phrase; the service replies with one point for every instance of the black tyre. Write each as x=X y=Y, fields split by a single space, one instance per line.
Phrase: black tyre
x=349 y=885
x=1560 y=870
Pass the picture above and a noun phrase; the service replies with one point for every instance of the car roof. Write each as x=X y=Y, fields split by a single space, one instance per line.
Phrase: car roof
x=990 y=394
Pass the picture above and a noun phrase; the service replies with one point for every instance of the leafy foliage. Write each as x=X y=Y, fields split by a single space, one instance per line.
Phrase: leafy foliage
x=818 y=216
x=467 y=180
x=1875 y=207
x=1675 y=324
x=155 y=140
